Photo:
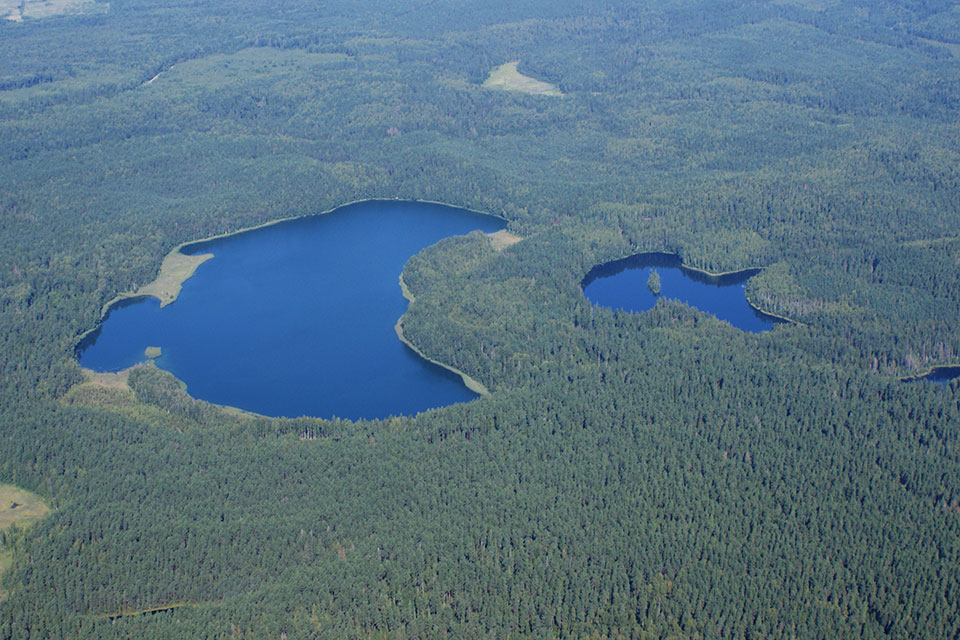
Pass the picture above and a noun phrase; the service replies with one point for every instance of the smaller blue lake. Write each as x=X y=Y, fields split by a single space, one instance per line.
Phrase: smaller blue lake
x=297 y=318
x=622 y=284
x=941 y=375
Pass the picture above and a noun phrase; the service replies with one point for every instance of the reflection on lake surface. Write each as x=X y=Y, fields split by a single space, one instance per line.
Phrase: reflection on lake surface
x=298 y=318
x=623 y=284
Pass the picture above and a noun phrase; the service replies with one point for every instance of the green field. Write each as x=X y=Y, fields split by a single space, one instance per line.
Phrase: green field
x=507 y=77
x=17 y=10
x=19 y=507
x=174 y=271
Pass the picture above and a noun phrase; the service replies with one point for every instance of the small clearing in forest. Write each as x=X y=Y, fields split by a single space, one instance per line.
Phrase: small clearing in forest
x=507 y=77
x=503 y=239
x=17 y=10
x=19 y=507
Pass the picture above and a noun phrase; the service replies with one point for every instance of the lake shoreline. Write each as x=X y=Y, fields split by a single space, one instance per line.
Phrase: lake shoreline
x=932 y=370
x=187 y=256
x=737 y=272
x=169 y=282
x=470 y=383
x=696 y=272
x=228 y=234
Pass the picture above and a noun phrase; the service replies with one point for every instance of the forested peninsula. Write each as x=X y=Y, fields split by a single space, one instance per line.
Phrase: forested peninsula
x=649 y=475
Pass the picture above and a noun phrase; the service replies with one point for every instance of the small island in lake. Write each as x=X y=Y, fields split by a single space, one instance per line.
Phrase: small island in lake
x=653 y=282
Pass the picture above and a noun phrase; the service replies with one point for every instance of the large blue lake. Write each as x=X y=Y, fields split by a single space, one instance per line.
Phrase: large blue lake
x=298 y=318
x=622 y=284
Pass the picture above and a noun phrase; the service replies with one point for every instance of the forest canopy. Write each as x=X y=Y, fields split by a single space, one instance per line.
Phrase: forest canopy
x=629 y=475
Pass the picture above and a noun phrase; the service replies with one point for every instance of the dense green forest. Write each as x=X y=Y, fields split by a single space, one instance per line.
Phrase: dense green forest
x=645 y=475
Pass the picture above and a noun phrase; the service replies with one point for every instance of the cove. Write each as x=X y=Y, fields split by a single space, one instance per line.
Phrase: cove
x=622 y=284
x=297 y=318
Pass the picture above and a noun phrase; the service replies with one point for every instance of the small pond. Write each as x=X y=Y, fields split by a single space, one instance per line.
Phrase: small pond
x=941 y=375
x=625 y=284
x=297 y=318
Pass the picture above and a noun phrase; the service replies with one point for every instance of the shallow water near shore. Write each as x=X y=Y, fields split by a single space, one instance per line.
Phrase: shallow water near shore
x=297 y=318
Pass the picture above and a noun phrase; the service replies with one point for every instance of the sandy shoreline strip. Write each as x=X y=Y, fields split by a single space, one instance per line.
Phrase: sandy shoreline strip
x=474 y=385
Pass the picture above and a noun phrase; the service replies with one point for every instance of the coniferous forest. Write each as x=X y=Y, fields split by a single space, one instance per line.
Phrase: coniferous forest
x=652 y=475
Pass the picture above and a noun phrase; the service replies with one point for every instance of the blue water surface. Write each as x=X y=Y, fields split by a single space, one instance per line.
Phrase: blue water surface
x=298 y=318
x=941 y=375
x=622 y=284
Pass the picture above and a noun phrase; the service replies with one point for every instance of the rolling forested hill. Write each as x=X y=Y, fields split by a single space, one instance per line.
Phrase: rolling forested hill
x=630 y=475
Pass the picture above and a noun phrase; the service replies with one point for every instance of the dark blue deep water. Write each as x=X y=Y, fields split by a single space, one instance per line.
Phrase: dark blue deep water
x=298 y=318
x=622 y=284
x=942 y=375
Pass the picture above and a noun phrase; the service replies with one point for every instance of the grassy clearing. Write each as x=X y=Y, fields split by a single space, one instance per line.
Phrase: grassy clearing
x=106 y=380
x=17 y=10
x=283 y=69
x=502 y=239
x=108 y=392
x=174 y=271
x=507 y=77
x=111 y=392
x=10 y=9
x=19 y=507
